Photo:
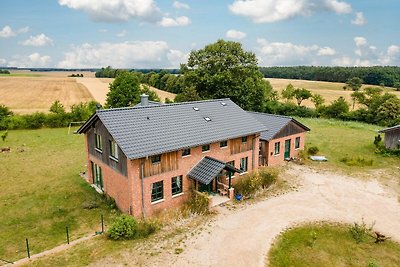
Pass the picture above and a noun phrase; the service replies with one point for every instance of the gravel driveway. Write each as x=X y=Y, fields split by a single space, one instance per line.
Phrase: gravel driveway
x=243 y=237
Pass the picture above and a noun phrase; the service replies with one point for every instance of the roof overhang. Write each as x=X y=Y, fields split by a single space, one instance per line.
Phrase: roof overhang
x=397 y=127
x=208 y=168
x=87 y=124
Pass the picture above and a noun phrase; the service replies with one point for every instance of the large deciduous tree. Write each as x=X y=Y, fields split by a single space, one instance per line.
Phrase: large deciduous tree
x=301 y=95
x=354 y=83
x=224 y=69
x=125 y=91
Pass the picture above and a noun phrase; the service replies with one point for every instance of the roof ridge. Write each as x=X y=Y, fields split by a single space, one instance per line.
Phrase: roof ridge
x=270 y=114
x=164 y=105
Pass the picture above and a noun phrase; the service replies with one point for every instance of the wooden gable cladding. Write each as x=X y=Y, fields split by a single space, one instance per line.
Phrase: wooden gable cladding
x=237 y=146
x=290 y=129
x=169 y=162
x=392 y=139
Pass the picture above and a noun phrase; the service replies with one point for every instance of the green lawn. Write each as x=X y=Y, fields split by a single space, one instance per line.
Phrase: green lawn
x=20 y=75
x=338 y=139
x=42 y=192
x=330 y=245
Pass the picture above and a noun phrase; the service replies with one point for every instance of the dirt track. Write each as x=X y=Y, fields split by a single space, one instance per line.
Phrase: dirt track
x=243 y=237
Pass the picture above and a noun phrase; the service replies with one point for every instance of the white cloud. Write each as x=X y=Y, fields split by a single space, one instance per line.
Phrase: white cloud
x=103 y=30
x=180 y=5
x=359 y=19
x=34 y=60
x=134 y=54
x=174 y=22
x=115 y=10
x=234 y=34
x=360 y=41
x=326 y=51
x=267 y=11
x=122 y=33
x=278 y=53
x=343 y=61
x=7 y=32
x=176 y=57
x=38 y=40
x=3 y=62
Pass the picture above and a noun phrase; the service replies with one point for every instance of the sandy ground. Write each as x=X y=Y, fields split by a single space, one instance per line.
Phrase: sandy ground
x=243 y=237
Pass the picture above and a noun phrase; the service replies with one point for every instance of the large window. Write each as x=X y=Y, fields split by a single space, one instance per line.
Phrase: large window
x=277 y=148
x=297 y=143
x=156 y=159
x=244 y=163
x=157 y=191
x=113 y=150
x=186 y=152
x=97 y=175
x=223 y=144
x=205 y=148
x=98 y=142
x=176 y=185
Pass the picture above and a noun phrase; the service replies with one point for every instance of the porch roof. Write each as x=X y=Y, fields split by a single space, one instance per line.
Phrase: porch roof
x=208 y=168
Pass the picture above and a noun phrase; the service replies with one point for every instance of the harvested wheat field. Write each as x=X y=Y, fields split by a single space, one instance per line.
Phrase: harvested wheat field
x=329 y=90
x=25 y=95
x=58 y=74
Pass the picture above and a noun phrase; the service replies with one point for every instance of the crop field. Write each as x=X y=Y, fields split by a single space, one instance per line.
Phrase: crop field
x=29 y=94
x=330 y=91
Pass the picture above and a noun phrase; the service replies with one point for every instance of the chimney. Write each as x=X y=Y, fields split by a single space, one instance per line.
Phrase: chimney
x=144 y=100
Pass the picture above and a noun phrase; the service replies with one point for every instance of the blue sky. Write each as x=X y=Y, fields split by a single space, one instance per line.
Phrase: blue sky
x=161 y=34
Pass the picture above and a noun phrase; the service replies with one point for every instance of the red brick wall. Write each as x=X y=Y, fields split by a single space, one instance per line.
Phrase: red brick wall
x=273 y=160
x=186 y=163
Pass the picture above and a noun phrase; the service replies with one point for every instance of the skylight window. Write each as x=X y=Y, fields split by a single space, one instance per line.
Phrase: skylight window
x=196 y=109
x=223 y=104
x=207 y=118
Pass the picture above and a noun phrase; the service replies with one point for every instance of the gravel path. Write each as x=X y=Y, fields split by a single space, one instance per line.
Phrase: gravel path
x=243 y=237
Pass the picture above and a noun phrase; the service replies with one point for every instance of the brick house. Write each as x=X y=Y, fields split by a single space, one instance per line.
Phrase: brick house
x=283 y=140
x=150 y=156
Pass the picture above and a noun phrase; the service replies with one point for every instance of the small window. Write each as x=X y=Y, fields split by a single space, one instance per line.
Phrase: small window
x=113 y=149
x=156 y=159
x=186 y=152
x=176 y=185
x=223 y=144
x=205 y=148
x=98 y=141
x=297 y=143
x=277 y=148
x=244 y=139
x=157 y=191
x=243 y=164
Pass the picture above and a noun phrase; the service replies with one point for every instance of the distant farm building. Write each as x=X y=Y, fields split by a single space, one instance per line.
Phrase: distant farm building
x=392 y=137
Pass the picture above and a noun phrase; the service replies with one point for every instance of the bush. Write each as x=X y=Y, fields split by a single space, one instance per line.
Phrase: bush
x=267 y=177
x=312 y=150
x=357 y=161
x=251 y=183
x=124 y=227
x=35 y=120
x=198 y=203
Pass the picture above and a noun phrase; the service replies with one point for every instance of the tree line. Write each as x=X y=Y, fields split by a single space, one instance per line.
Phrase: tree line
x=377 y=75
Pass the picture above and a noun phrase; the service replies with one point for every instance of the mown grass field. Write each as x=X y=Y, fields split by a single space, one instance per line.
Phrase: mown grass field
x=42 y=192
x=315 y=245
x=329 y=90
x=339 y=139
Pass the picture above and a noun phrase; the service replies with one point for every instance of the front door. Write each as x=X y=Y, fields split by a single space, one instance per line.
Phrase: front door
x=287 y=149
x=205 y=187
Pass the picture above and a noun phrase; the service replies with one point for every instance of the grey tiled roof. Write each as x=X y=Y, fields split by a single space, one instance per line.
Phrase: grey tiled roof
x=151 y=130
x=208 y=168
x=274 y=123
x=389 y=129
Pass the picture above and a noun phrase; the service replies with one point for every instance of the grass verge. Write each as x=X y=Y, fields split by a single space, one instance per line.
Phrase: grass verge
x=327 y=244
